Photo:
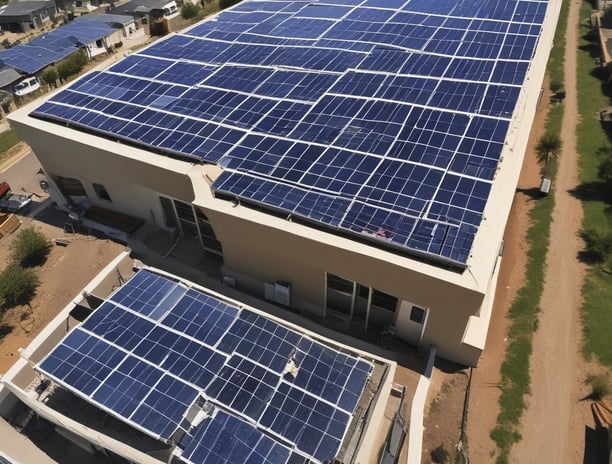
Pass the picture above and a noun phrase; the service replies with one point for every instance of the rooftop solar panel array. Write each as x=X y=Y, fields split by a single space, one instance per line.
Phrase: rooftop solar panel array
x=156 y=349
x=57 y=44
x=381 y=119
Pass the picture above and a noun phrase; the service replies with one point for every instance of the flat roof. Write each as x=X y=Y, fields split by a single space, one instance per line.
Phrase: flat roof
x=194 y=370
x=384 y=120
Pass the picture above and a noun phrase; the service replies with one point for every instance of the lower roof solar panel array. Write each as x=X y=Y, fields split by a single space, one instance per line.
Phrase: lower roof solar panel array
x=332 y=111
x=156 y=351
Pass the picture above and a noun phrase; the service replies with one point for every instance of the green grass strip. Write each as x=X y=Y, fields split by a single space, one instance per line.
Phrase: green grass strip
x=592 y=144
x=8 y=139
x=523 y=314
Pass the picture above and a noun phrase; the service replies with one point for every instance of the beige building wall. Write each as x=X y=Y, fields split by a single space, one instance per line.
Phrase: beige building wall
x=133 y=179
x=255 y=253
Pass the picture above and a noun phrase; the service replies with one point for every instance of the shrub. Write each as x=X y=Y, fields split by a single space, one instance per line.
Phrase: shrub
x=600 y=386
x=17 y=286
x=440 y=455
x=189 y=10
x=30 y=248
x=5 y=329
x=598 y=244
x=50 y=76
x=71 y=65
x=605 y=170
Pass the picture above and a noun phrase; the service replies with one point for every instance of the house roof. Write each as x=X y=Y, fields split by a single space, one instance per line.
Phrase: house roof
x=24 y=8
x=140 y=6
x=109 y=19
x=8 y=75
x=56 y=45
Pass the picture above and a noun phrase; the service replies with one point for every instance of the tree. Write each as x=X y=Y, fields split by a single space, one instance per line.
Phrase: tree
x=17 y=286
x=189 y=10
x=548 y=147
x=71 y=65
x=605 y=170
x=50 y=76
x=597 y=243
x=30 y=248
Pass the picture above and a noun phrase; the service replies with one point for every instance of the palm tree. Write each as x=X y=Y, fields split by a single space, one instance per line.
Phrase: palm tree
x=548 y=147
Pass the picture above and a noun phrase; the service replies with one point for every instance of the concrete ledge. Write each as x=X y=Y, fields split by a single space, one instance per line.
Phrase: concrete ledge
x=415 y=432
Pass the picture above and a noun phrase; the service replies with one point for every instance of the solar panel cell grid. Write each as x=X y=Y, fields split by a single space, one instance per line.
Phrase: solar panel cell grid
x=284 y=391
x=223 y=439
x=394 y=79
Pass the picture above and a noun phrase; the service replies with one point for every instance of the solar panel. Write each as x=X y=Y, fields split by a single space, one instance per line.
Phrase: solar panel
x=56 y=45
x=280 y=93
x=224 y=439
x=156 y=351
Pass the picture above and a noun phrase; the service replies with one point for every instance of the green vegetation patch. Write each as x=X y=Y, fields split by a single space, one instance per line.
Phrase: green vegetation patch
x=30 y=248
x=594 y=145
x=8 y=140
x=17 y=286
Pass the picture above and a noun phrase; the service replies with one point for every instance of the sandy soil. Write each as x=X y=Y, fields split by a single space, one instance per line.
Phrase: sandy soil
x=62 y=277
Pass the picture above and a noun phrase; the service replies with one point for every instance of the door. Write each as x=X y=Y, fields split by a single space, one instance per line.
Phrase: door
x=411 y=322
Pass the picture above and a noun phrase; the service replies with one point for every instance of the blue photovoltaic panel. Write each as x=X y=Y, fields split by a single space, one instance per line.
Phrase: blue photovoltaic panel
x=316 y=427
x=149 y=294
x=244 y=387
x=277 y=93
x=156 y=349
x=128 y=387
x=224 y=439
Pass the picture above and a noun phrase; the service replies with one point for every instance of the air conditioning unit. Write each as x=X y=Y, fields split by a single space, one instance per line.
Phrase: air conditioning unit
x=278 y=292
x=283 y=293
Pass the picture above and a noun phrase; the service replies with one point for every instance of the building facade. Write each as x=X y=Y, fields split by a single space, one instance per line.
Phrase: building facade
x=348 y=280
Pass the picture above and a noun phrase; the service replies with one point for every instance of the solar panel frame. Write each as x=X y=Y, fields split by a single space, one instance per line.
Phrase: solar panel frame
x=135 y=359
x=381 y=80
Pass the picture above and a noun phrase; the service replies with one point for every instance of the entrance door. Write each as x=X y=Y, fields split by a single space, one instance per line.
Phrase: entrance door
x=411 y=322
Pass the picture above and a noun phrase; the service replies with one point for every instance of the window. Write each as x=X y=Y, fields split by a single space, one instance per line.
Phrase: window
x=338 y=283
x=339 y=294
x=70 y=187
x=169 y=214
x=417 y=315
x=384 y=300
x=207 y=234
x=101 y=192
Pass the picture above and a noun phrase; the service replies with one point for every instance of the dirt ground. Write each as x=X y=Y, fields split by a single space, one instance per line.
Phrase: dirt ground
x=62 y=276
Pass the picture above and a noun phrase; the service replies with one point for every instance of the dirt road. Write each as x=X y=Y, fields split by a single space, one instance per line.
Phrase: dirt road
x=553 y=424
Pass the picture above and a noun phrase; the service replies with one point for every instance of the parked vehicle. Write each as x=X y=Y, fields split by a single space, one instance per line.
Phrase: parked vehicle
x=26 y=86
x=12 y=202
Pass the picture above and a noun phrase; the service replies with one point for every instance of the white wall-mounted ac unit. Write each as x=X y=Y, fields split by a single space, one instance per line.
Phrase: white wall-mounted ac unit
x=283 y=293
